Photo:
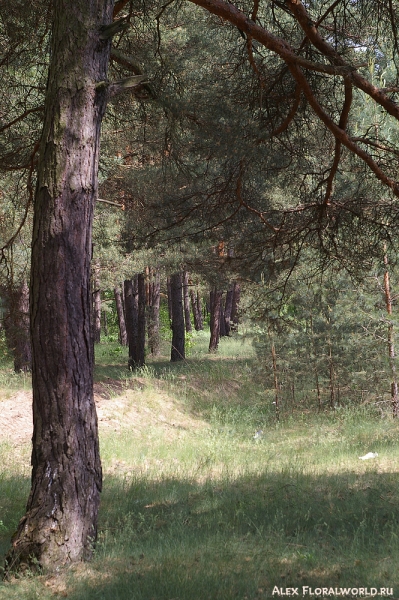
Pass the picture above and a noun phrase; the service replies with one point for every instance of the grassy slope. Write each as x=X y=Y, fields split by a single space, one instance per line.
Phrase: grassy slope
x=195 y=508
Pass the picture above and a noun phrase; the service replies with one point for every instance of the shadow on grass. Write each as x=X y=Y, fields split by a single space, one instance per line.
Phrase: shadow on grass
x=180 y=539
x=238 y=539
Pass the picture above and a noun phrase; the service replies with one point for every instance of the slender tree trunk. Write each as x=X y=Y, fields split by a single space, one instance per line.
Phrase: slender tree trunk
x=17 y=328
x=97 y=304
x=227 y=310
x=215 y=300
x=153 y=313
x=186 y=301
x=275 y=379
x=235 y=306
x=194 y=309
x=60 y=524
x=141 y=325
x=222 y=323
x=200 y=312
x=121 y=316
x=391 y=343
x=178 y=337
x=170 y=303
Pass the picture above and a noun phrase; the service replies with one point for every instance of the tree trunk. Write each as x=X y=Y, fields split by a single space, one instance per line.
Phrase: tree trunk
x=97 y=304
x=178 y=335
x=215 y=300
x=200 y=311
x=60 y=524
x=186 y=301
x=227 y=310
x=141 y=321
x=17 y=328
x=196 y=311
x=235 y=306
x=121 y=316
x=222 y=324
x=170 y=308
x=391 y=343
x=135 y=319
x=153 y=313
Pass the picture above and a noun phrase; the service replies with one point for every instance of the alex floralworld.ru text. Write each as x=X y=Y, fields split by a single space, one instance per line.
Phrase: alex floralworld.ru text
x=354 y=592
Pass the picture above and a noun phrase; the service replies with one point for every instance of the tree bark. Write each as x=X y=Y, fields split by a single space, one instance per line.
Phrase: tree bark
x=121 y=316
x=154 y=300
x=140 y=362
x=186 y=301
x=215 y=301
x=60 y=524
x=178 y=331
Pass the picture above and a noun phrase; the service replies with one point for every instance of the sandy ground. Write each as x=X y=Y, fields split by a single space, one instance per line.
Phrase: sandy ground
x=117 y=407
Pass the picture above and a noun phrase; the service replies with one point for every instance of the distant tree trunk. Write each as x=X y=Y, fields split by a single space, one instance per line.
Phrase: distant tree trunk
x=105 y=323
x=60 y=523
x=178 y=337
x=196 y=311
x=17 y=328
x=235 y=306
x=215 y=300
x=227 y=310
x=391 y=344
x=200 y=311
x=275 y=379
x=97 y=304
x=154 y=300
x=121 y=316
x=222 y=324
x=331 y=370
x=186 y=302
x=170 y=307
x=141 y=321
x=135 y=320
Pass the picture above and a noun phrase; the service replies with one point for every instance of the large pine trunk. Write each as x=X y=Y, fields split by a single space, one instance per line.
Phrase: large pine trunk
x=178 y=330
x=60 y=524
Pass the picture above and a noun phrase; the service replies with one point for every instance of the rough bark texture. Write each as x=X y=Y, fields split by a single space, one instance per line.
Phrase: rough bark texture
x=17 y=328
x=60 y=524
x=154 y=299
x=215 y=301
x=121 y=316
x=391 y=342
x=186 y=302
x=178 y=335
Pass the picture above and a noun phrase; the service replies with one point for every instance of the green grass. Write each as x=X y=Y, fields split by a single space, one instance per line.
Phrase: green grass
x=195 y=508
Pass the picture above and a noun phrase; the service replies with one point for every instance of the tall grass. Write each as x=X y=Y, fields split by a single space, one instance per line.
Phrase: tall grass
x=195 y=508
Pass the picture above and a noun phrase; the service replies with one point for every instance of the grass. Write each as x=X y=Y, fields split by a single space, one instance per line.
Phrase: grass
x=195 y=508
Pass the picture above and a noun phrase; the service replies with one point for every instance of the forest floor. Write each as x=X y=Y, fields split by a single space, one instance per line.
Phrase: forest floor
x=195 y=507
